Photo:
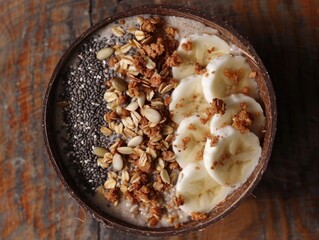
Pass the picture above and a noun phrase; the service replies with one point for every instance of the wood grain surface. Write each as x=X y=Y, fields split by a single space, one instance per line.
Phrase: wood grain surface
x=35 y=33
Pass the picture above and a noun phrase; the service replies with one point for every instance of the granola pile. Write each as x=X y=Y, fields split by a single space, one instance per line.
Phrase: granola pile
x=141 y=165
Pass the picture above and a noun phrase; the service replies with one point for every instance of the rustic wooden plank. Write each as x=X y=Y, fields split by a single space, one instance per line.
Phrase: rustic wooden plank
x=33 y=203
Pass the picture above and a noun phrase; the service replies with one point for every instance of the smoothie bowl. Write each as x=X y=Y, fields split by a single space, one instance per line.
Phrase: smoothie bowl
x=159 y=120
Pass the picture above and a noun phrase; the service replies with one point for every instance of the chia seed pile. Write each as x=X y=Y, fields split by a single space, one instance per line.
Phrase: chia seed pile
x=84 y=86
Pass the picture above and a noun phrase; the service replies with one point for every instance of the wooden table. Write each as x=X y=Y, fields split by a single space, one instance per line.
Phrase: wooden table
x=35 y=33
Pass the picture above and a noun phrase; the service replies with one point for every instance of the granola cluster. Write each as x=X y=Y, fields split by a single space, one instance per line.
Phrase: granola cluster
x=140 y=163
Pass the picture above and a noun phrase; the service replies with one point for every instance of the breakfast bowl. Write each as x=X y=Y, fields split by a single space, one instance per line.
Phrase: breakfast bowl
x=131 y=100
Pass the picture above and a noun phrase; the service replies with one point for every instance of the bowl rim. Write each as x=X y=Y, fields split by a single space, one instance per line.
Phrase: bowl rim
x=164 y=10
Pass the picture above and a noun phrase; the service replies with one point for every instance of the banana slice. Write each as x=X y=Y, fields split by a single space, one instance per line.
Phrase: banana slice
x=231 y=161
x=200 y=192
x=233 y=106
x=204 y=48
x=190 y=139
x=228 y=75
x=188 y=99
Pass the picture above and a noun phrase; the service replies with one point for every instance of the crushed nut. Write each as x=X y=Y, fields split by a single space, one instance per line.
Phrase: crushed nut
x=198 y=216
x=178 y=200
x=187 y=46
x=243 y=119
x=174 y=60
x=112 y=195
x=155 y=49
x=171 y=31
x=199 y=70
x=233 y=75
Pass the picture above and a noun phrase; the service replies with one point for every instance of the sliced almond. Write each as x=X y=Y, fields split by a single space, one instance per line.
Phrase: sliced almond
x=165 y=177
x=143 y=159
x=135 y=178
x=118 y=128
x=125 y=176
x=110 y=183
x=131 y=30
x=149 y=63
x=161 y=163
x=123 y=188
x=139 y=35
x=151 y=152
x=136 y=43
x=117 y=162
x=132 y=106
x=141 y=99
x=136 y=118
x=147 y=40
x=104 y=53
x=150 y=95
x=152 y=115
x=110 y=96
x=167 y=88
x=106 y=131
x=135 y=141
x=126 y=47
x=132 y=70
x=99 y=151
x=118 y=31
x=111 y=174
x=125 y=150
x=112 y=125
x=128 y=122
x=139 y=20
x=123 y=65
x=102 y=163
x=129 y=133
x=113 y=147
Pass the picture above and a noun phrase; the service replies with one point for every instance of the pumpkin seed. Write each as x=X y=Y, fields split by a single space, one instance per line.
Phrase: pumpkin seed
x=132 y=106
x=125 y=150
x=165 y=177
x=104 y=53
x=119 y=84
x=152 y=115
x=135 y=141
x=117 y=162
x=99 y=151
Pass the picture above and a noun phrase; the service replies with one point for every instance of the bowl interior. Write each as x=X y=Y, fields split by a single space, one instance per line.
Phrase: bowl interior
x=57 y=145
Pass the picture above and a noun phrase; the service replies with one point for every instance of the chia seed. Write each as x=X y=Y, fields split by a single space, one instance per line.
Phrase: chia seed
x=84 y=86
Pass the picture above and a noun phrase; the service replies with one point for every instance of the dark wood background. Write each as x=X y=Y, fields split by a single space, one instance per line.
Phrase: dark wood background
x=35 y=33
